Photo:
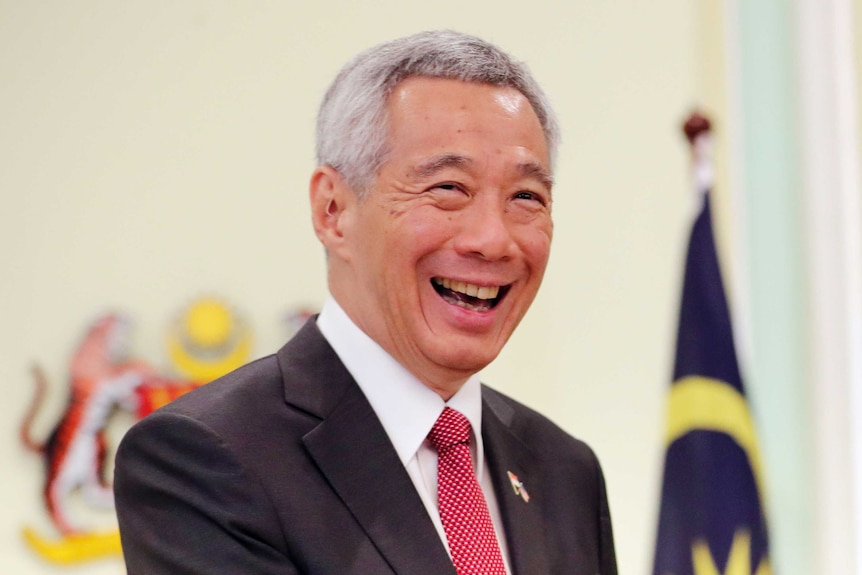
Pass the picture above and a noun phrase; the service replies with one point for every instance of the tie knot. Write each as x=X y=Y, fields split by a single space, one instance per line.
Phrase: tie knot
x=449 y=429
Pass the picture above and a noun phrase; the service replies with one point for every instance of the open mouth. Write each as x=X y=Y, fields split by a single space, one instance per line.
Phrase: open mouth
x=469 y=296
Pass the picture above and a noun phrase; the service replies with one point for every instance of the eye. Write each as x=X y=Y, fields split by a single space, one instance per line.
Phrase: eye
x=448 y=190
x=528 y=195
x=449 y=195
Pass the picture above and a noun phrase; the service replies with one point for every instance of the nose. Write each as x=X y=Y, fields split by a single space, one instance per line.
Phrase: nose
x=485 y=232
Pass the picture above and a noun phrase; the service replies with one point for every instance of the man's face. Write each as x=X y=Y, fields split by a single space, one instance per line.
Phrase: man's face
x=448 y=248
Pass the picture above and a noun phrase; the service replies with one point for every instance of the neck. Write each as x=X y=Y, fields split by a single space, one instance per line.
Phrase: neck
x=446 y=387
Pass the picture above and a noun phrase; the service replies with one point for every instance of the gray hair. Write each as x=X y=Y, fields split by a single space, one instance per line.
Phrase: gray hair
x=352 y=128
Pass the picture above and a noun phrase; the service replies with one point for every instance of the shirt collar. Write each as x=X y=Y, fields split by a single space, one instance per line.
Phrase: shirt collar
x=405 y=406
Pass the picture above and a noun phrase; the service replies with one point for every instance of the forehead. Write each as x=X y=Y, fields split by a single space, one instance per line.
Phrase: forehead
x=446 y=92
x=439 y=115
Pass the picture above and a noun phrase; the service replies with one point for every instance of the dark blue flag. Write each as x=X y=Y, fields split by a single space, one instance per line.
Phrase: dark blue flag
x=712 y=519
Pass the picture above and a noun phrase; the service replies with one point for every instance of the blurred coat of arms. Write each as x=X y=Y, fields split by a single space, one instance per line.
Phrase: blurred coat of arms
x=207 y=339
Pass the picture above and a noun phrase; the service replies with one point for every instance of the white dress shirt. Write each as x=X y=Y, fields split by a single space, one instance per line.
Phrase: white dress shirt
x=408 y=409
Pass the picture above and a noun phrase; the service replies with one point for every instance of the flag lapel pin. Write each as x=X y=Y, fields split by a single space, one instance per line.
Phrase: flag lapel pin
x=518 y=487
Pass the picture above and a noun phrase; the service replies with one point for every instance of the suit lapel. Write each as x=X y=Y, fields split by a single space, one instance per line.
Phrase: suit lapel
x=356 y=456
x=505 y=453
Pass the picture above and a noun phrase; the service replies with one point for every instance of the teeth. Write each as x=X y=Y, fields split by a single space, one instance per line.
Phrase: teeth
x=472 y=290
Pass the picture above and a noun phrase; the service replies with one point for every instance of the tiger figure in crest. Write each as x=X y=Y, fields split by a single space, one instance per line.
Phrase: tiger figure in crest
x=102 y=378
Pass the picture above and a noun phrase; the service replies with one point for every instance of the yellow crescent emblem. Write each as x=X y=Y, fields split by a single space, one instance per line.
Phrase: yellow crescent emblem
x=208 y=341
x=709 y=404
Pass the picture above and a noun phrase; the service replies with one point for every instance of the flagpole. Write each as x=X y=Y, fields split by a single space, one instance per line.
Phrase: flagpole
x=698 y=132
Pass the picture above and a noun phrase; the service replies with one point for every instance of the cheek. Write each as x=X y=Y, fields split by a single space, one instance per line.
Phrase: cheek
x=425 y=229
x=405 y=249
x=535 y=244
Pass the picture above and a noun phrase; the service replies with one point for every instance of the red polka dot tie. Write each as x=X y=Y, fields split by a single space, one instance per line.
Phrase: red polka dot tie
x=463 y=511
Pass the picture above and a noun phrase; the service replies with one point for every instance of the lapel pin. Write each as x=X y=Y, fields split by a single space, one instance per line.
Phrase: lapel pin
x=518 y=487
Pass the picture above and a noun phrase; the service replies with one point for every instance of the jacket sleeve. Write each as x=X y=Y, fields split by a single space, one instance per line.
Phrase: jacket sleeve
x=186 y=505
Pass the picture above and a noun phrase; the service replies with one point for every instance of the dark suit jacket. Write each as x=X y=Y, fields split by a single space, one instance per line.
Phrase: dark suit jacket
x=283 y=467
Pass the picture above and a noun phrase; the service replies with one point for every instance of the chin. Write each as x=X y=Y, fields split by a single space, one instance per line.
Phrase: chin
x=468 y=361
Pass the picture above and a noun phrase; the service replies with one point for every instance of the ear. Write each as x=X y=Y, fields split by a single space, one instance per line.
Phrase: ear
x=332 y=201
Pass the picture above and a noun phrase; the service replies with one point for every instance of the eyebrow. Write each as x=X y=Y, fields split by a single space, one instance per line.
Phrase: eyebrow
x=431 y=167
x=434 y=165
x=537 y=171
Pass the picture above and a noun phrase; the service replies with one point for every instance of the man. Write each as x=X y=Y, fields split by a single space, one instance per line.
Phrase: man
x=433 y=202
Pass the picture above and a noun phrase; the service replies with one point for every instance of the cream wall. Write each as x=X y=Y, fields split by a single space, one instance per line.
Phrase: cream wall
x=156 y=151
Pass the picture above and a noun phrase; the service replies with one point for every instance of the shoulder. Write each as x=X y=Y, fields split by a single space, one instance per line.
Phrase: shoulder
x=279 y=397
x=541 y=435
x=241 y=391
x=257 y=392
x=214 y=416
